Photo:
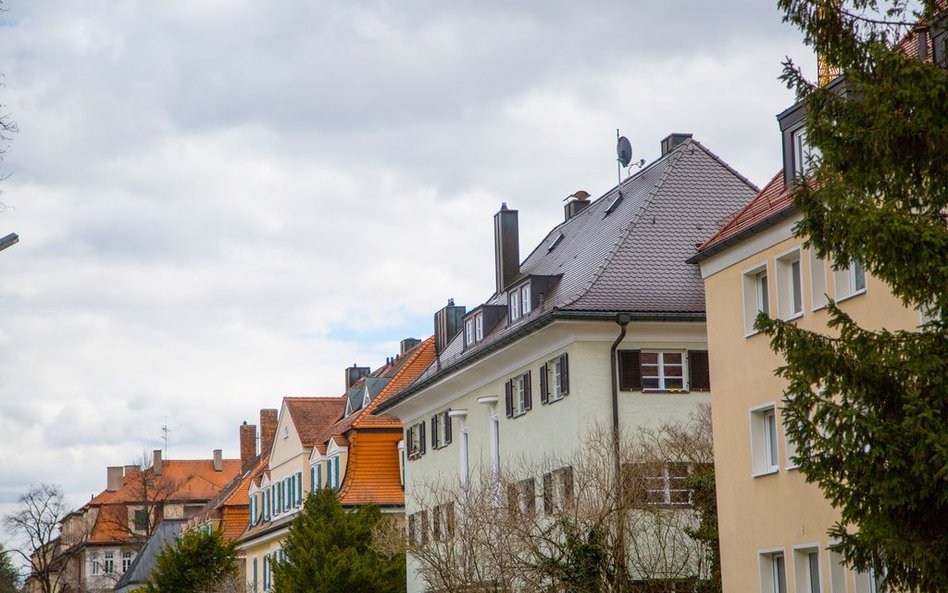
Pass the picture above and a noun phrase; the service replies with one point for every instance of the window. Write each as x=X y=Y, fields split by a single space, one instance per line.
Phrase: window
x=440 y=430
x=94 y=564
x=522 y=498
x=141 y=520
x=837 y=570
x=442 y=522
x=663 y=370
x=557 y=490
x=517 y=394
x=773 y=573
x=850 y=281
x=478 y=327
x=869 y=582
x=764 y=440
x=515 y=305
x=253 y=582
x=415 y=437
x=817 y=280
x=664 y=484
x=756 y=297
x=337 y=477
x=266 y=572
x=126 y=561
x=789 y=286
x=554 y=379
x=469 y=332
x=525 y=302
x=806 y=570
x=108 y=564
x=418 y=528
x=800 y=152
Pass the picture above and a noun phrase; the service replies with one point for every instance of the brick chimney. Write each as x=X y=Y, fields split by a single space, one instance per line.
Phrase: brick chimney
x=156 y=461
x=268 y=428
x=218 y=460
x=248 y=445
x=113 y=478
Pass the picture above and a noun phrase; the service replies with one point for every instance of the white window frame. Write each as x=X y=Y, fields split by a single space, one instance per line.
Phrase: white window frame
x=753 y=296
x=554 y=379
x=790 y=284
x=414 y=446
x=518 y=395
x=818 y=298
x=526 y=305
x=514 y=305
x=803 y=568
x=768 y=562
x=667 y=481
x=94 y=562
x=662 y=377
x=469 y=331
x=800 y=149
x=867 y=582
x=765 y=454
x=108 y=562
x=837 y=569
x=478 y=327
x=126 y=561
x=844 y=282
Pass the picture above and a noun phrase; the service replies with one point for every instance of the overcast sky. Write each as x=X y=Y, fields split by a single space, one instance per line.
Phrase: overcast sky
x=224 y=202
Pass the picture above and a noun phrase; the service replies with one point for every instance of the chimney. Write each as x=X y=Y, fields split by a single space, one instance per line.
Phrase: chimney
x=407 y=344
x=506 y=247
x=574 y=207
x=156 y=461
x=130 y=469
x=447 y=324
x=248 y=445
x=218 y=460
x=113 y=478
x=354 y=373
x=268 y=429
x=671 y=141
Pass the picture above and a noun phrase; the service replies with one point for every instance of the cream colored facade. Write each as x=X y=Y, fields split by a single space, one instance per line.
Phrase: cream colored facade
x=767 y=511
x=482 y=432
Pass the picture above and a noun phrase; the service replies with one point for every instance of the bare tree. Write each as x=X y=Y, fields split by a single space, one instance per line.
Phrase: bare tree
x=36 y=520
x=569 y=523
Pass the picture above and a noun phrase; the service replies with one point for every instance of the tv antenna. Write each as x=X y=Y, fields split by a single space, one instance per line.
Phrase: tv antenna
x=164 y=435
x=624 y=155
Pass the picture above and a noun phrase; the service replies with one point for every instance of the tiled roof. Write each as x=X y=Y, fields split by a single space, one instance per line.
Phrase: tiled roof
x=372 y=473
x=110 y=525
x=774 y=199
x=180 y=480
x=312 y=416
x=627 y=255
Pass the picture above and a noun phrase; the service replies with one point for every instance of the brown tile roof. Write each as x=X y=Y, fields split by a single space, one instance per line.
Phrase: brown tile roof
x=111 y=525
x=772 y=200
x=312 y=416
x=372 y=475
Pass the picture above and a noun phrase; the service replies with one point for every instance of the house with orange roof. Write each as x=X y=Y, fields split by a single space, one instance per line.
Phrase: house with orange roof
x=101 y=539
x=330 y=442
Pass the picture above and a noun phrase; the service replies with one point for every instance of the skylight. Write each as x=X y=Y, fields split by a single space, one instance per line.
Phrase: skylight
x=613 y=205
x=555 y=242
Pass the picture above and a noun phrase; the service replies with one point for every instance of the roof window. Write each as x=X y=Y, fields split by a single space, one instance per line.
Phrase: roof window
x=615 y=204
x=555 y=242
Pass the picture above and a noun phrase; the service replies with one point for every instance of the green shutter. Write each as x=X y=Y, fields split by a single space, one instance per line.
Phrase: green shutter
x=338 y=480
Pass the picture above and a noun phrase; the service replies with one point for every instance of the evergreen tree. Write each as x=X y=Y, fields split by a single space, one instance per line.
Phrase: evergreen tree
x=198 y=563
x=329 y=549
x=9 y=579
x=867 y=408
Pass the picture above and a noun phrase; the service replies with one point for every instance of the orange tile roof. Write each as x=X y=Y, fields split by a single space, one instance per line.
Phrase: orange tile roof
x=372 y=475
x=312 y=416
x=180 y=480
x=111 y=525
x=234 y=522
x=772 y=200
x=419 y=359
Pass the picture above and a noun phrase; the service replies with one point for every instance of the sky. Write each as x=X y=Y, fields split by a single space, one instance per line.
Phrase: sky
x=224 y=202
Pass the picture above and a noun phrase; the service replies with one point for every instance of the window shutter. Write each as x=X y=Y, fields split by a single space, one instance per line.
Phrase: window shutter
x=299 y=488
x=447 y=428
x=630 y=370
x=544 y=388
x=530 y=493
x=564 y=374
x=319 y=474
x=513 y=502
x=699 y=371
x=449 y=518
x=412 y=535
x=548 y=493
x=508 y=391
x=424 y=527
x=436 y=524
x=338 y=477
x=434 y=432
x=567 y=485
x=421 y=439
x=527 y=392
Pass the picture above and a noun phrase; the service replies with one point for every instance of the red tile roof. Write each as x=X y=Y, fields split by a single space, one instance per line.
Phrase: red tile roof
x=372 y=474
x=772 y=200
x=180 y=480
x=312 y=416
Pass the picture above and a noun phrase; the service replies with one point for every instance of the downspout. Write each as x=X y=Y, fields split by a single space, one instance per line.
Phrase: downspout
x=620 y=574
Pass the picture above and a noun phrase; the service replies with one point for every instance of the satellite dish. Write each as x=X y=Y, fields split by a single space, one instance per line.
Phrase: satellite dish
x=624 y=151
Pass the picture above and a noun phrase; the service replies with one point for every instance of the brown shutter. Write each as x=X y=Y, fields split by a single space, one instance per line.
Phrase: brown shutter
x=527 y=392
x=424 y=527
x=548 y=493
x=530 y=492
x=412 y=530
x=513 y=502
x=567 y=485
x=449 y=519
x=544 y=387
x=699 y=371
x=447 y=428
x=421 y=438
x=436 y=524
x=564 y=374
x=630 y=370
x=509 y=398
x=434 y=432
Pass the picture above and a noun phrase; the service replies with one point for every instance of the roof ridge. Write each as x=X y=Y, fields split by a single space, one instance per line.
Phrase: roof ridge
x=725 y=164
x=674 y=157
x=383 y=393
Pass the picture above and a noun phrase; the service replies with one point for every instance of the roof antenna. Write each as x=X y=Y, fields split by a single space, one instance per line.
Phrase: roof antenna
x=164 y=433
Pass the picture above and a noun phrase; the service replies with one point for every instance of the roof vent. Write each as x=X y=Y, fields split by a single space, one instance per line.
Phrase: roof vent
x=671 y=141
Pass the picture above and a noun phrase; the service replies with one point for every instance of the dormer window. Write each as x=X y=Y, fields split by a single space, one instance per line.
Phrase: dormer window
x=515 y=305
x=525 y=299
x=474 y=329
x=520 y=302
x=478 y=327
x=801 y=150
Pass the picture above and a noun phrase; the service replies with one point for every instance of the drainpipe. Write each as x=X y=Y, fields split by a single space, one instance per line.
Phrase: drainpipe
x=623 y=320
x=621 y=579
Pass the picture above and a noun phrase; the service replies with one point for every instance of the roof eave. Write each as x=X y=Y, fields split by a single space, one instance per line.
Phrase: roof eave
x=738 y=237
